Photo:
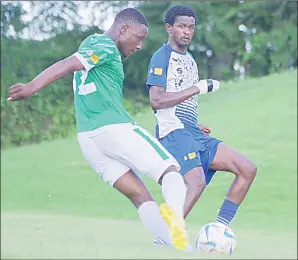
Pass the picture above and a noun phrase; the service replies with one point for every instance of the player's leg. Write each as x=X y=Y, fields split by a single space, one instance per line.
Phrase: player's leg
x=162 y=167
x=134 y=189
x=228 y=159
x=125 y=181
x=145 y=155
x=195 y=183
x=182 y=145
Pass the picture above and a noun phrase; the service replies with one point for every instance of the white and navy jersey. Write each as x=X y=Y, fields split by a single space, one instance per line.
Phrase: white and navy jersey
x=174 y=71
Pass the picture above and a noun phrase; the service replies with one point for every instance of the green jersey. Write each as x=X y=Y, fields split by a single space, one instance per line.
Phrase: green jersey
x=98 y=90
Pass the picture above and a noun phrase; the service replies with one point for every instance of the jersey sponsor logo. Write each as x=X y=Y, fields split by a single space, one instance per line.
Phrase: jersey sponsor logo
x=94 y=58
x=157 y=71
x=179 y=70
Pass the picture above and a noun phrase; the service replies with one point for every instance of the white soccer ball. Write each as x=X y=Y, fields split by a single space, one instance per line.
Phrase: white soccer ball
x=216 y=238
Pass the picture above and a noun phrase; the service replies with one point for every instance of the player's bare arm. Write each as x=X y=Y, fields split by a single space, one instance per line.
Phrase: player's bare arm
x=161 y=99
x=58 y=70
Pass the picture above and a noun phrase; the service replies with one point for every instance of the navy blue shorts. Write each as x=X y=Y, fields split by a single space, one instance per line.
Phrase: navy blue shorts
x=192 y=148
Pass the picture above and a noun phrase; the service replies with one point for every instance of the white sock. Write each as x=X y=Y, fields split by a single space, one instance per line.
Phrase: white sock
x=150 y=216
x=174 y=191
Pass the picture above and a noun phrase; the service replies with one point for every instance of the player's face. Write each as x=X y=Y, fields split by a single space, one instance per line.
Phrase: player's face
x=182 y=31
x=132 y=37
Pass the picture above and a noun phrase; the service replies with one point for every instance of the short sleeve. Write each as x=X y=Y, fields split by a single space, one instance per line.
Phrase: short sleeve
x=157 y=71
x=95 y=51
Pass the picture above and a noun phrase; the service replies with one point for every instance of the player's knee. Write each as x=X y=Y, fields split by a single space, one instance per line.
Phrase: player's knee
x=195 y=188
x=253 y=171
x=139 y=196
x=250 y=172
x=201 y=186
x=195 y=181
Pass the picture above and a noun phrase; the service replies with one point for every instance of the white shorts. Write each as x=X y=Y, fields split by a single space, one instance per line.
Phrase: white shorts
x=116 y=149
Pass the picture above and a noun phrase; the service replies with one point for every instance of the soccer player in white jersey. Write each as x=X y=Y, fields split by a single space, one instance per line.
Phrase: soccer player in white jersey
x=111 y=141
x=174 y=86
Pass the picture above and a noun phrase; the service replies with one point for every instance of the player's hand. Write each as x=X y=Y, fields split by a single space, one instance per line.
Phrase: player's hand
x=207 y=85
x=20 y=91
x=205 y=129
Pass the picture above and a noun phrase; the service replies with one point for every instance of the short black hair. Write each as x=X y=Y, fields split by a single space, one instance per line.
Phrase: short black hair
x=179 y=10
x=131 y=14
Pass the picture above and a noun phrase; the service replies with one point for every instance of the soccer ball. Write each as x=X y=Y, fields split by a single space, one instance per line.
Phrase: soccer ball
x=216 y=238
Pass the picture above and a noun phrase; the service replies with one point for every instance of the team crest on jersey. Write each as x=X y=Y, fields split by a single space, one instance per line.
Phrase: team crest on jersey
x=94 y=58
x=190 y=156
x=157 y=71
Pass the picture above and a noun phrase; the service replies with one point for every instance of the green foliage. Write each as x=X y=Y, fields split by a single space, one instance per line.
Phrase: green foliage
x=271 y=33
x=11 y=18
x=41 y=117
x=54 y=17
x=48 y=115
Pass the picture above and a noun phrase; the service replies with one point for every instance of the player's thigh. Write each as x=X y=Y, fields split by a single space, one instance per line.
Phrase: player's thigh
x=137 y=148
x=229 y=159
x=151 y=158
x=109 y=169
x=195 y=178
x=182 y=146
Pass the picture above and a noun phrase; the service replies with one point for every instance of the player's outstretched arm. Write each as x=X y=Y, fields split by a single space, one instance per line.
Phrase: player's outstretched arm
x=160 y=99
x=58 y=70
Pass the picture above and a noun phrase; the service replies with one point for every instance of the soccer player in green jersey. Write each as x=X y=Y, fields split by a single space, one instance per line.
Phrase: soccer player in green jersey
x=113 y=144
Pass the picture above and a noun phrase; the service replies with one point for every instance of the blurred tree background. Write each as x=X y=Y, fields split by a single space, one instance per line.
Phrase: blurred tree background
x=233 y=40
